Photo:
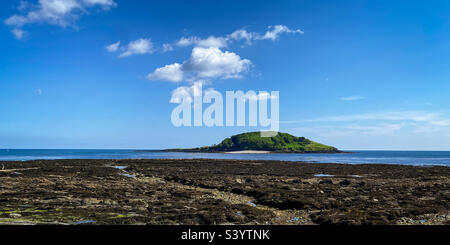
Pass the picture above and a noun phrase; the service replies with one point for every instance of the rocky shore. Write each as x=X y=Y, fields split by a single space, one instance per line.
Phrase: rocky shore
x=217 y=192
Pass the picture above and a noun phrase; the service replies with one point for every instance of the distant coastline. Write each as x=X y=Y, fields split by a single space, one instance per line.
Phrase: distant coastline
x=200 y=150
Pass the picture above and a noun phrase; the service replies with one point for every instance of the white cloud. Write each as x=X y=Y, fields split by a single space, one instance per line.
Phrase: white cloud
x=18 y=33
x=208 y=61
x=140 y=46
x=204 y=63
x=186 y=41
x=214 y=63
x=171 y=73
x=39 y=91
x=55 y=12
x=216 y=42
x=113 y=47
x=105 y=3
x=137 y=47
x=242 y=34
x=167 y=47
x=352 y=98
x=275 y=31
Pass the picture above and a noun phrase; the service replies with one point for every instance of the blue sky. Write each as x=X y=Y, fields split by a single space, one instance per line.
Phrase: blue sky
x=353 y=74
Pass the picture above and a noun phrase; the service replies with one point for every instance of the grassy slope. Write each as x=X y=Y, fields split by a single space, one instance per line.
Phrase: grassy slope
x=283 y=142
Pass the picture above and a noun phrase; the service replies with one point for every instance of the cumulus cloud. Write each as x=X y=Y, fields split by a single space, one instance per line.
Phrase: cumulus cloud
x=208 y=61
x=55 y=12
x=214 y=63
x=140 y=46
x=171 y=73
x=204 y=63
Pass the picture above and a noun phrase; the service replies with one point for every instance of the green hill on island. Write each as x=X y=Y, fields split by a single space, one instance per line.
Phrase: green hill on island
x=281 y=143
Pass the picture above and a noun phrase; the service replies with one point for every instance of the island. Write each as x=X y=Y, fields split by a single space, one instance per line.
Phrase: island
x=253 y=143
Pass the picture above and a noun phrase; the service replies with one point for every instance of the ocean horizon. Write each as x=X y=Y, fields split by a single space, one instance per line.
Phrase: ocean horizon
x=417 y=158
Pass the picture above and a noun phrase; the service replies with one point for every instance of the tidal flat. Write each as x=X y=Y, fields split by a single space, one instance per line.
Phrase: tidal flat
x=216 y=192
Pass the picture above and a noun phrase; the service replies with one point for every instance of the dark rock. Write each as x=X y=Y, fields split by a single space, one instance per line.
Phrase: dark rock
x=345 y=182
x=326 y=181
x=390 y=194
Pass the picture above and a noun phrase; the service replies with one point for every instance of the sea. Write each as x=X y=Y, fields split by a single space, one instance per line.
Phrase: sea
x=418 y=158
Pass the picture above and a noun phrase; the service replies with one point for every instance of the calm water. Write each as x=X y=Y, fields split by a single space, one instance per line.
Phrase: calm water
x=367 y=157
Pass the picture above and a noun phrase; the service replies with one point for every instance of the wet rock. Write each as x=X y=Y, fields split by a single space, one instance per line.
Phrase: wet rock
x=345 y=182
x=326 y=181
x=206 y=192
x=15 y=215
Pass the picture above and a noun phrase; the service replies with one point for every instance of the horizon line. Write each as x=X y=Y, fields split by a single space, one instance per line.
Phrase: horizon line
x=143 y=149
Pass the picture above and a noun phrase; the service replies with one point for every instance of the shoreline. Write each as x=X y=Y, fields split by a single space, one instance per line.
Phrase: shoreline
x=207 y=191
x=248 y=152
x=262 y=152
x=223 y=159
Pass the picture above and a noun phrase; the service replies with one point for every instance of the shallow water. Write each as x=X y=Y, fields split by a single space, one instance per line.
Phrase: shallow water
x=358 y=157
x=323 y=175
x=82 y=222
x=128 y=175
